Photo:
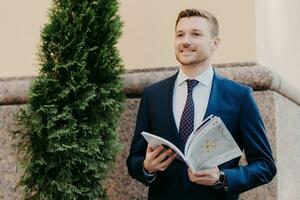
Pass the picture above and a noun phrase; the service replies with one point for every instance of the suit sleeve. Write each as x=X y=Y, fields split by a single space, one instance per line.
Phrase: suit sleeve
x=139 y=145
x=261 y=168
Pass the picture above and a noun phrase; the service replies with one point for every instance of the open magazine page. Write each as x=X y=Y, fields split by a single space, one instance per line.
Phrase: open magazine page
x=203 y=124
x=155 y=141
x=213 y=146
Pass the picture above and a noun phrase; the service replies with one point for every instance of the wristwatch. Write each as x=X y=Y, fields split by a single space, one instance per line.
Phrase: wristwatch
x=221 y=183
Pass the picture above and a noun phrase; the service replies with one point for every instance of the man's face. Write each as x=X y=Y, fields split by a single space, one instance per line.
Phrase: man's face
x=193 y=41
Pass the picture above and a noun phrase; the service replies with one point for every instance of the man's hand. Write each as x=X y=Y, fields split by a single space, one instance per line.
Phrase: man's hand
x=158 y=159
x=206 y=177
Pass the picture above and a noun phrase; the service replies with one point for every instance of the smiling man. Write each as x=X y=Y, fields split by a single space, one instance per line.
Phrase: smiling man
x=174 y=107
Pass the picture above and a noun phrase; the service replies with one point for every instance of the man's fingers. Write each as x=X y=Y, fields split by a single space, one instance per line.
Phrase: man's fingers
x=206 y=172
x=168 y=161
x=149 y=149
x=156 y=151
x=157 y=155
x=190 y=173
x=164 y=154
x=202 y=173
x=204 y=177
x=163 y=166
x=205 y=180
x=159 y=158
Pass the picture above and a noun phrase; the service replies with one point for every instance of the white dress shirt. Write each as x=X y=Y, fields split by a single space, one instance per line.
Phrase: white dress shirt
x=201 y=93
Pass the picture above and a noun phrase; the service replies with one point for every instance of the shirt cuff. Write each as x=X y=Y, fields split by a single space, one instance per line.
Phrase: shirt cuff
x=149 y=177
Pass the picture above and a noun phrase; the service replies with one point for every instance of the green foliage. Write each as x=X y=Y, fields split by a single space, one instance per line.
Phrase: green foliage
x=68 y=128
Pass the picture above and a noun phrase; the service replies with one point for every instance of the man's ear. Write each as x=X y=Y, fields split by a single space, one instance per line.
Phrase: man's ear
x=216 y=42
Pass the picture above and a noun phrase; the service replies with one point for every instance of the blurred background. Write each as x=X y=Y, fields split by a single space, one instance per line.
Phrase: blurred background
x=266 y=32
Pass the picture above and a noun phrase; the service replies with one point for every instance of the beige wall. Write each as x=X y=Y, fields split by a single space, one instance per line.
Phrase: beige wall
x=278 y=37
x=149 y=30
x=148 y=33
x=20 y=22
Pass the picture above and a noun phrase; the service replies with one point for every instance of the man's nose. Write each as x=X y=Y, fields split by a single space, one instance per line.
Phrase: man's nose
x=187 y=41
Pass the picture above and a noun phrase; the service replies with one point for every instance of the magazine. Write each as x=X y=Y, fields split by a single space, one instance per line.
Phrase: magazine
x=210 y=145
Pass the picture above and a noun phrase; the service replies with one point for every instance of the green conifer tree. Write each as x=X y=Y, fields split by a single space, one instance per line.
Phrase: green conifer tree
x=68 y=128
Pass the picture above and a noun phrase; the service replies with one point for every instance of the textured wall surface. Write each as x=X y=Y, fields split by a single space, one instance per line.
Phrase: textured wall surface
x=288 y=148
x=8 y=162
x=279 y=108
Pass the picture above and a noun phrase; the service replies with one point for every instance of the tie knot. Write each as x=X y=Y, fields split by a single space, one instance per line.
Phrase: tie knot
x=191 y=83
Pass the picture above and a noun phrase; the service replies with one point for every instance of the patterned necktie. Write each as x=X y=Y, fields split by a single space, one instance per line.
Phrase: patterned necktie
x=186 y=126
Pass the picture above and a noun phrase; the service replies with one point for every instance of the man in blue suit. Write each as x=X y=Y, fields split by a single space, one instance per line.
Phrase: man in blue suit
x=173 y=107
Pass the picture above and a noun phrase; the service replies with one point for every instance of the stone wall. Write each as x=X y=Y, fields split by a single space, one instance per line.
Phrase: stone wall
x=279 y=105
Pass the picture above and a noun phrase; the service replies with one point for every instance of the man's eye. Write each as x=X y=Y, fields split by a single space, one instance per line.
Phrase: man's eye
x=179 y=35
x=197 y=34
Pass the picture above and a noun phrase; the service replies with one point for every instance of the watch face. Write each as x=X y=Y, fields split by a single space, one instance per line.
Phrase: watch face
x=222 y=177
x=218 y=185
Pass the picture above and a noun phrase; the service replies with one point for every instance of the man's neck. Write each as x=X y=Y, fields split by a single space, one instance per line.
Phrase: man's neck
x=193 y=71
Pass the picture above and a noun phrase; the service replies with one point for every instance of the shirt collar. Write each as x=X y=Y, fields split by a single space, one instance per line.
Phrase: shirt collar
x=205 y=78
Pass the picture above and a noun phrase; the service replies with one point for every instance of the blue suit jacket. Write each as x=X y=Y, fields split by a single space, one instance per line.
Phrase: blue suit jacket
x=231 y=101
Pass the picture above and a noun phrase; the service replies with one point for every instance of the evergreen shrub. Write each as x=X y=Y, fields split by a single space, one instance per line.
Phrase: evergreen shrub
x=68 y=128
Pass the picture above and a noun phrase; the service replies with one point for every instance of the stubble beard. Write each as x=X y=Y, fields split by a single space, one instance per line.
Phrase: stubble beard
x=193 y=62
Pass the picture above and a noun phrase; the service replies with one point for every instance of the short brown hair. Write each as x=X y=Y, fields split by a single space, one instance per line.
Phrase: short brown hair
x=212 y=20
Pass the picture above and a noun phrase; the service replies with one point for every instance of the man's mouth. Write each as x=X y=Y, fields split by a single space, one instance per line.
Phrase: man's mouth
x=186 y=51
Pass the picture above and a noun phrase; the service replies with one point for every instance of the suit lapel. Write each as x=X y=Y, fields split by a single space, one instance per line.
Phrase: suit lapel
x=217 y=90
